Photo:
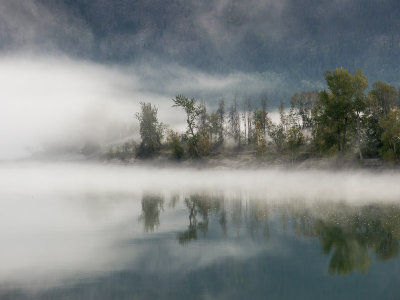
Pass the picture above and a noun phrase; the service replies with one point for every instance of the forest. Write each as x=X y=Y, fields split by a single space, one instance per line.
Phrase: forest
x=349 y=120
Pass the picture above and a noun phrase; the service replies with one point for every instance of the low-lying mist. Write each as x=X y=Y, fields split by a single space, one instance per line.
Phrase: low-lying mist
x=268 y=184
x=67 y=222
x=56 y=102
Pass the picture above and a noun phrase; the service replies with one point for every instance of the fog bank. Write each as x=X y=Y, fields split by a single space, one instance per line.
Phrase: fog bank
x=56 y=102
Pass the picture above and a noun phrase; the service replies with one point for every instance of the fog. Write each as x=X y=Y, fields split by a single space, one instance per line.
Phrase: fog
x=66 y=222
x=74 y=73
x=273 y=184
x=56 y=102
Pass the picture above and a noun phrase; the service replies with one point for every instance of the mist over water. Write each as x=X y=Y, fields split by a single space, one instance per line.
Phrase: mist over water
x=358 y=186
x=65 y=225
x=73 y=75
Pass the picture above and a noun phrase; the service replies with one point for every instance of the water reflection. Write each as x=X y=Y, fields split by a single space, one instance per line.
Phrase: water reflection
x=350 y=235
x=152 y=205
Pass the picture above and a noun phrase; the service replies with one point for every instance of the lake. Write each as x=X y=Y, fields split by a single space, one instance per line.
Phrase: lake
x=93 y=231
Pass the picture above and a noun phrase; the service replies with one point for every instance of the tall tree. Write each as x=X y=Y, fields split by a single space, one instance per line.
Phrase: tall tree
x=338 y=108
x=151 y=131
x=264 y=102
x=391 y=135
x=380 y=101
x=302 y=104
x=193 y=110
x=221 y=115
x=234 y=122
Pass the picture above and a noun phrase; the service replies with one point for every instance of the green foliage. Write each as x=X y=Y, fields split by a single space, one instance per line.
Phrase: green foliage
x=175 y=144
x=355 y=235
x=341 y=120
x=193 y=110
x=124 y=152
x=215 y=128
x=295 y=139
x=338 y=110
x=302 y=104
x=384 y=95
x=151 y=131
x=234 y=123
x=278 y=136
x=203 y=143
x=391 y=135
x=260 y=143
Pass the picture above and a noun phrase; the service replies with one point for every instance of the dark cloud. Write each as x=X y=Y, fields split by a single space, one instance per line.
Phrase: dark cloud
x=301 y=38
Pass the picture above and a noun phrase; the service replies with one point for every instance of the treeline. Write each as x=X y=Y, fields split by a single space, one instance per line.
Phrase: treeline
x=345 y=121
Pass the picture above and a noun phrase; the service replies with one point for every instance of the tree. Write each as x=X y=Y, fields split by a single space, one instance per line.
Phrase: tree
x=360 y=83
x=391 y=135
x=295 y=139
x=151 y=131
x=221 y=115
x=302 y=104
x=175 y=144
x=215 y=128
x=338 y=110
x=193 y=110
x=385 y=96
x=264 y=102
x=250 y=132
x=234 y=122
x=260 y=143
x=379 y=102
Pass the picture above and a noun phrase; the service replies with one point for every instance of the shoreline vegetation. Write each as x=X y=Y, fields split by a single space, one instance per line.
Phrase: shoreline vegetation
x=342 y=126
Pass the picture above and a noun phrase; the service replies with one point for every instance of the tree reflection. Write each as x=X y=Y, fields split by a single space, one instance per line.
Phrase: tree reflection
x=151 y=208
x=351 y=235
x=199 y=206
x=202 y=206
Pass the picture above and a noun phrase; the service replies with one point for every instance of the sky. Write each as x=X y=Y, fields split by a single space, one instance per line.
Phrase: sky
x=75 y=71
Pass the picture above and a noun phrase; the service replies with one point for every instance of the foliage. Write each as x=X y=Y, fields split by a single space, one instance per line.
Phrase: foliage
x=295 y=139
x=193 y=111
x=260 y=143
x=338 y=109
x=342 y=119
x=124 y=152
x=175 y=144
x=151 y=131
x=302 y=104
x=391 y=135
x=384 y=95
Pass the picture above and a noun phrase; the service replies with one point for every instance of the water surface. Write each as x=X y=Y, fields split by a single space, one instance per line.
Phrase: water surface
x=73 y=231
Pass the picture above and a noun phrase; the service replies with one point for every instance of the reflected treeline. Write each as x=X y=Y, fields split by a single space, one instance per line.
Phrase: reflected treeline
x=152 y=205
x=200 y=207
x=350 y=235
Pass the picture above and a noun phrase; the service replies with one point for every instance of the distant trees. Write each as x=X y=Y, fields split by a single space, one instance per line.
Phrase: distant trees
x=343 y=119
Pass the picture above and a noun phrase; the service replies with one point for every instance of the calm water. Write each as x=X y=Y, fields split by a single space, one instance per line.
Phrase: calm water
x=100 y=232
